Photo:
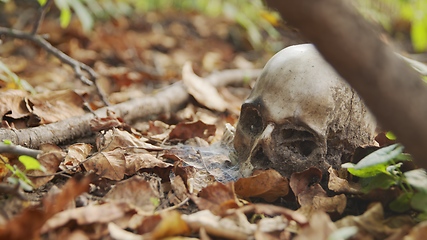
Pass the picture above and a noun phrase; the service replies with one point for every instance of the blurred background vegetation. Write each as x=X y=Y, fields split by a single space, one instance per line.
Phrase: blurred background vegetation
x=404 y=20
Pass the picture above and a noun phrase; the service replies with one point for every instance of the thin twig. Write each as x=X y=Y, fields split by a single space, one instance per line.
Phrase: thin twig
x=18 y=150
x=42 y=13
x=76 y=65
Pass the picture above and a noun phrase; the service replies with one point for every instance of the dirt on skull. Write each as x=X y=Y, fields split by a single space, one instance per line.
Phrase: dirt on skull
x=300 y=114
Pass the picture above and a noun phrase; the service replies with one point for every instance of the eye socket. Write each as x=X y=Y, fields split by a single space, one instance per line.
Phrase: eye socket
x=251 y=120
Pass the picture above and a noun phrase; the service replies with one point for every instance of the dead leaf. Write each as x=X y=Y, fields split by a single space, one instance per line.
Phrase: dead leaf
x=50 y=161
x=180 y=191
x=32 y=218
x=218 y=198
x=137 y=192
x=52 y=107
x=300 y=181
x=90 y=214
x=111 y=165
x=370 y=222
x=419 y=232
x=205 y=93
x=268 y=184
x=320 y=227
x=341 y=185
x=76 y=154
x=11 y=104
x=171 y=224
x=142 y=159
x=109 y=122
x=228 y=228
x=115 y=138
x=272 y=210
x=184 y=131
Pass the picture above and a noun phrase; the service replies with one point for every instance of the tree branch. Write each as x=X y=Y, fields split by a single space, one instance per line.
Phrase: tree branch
x=166 y=101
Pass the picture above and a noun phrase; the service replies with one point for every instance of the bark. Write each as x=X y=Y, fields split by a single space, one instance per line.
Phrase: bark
x=165 y=101
x=393 y=91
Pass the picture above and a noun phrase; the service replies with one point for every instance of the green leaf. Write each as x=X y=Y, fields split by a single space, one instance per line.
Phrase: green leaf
x=419 y=201
x=402 y=203
x=42 y=2
x=7 y=142
x=83 y=14
x=31 y=163
x=390 y=136
x=419 y=35
x=379 y=181
x=383 y=156
x=417 y=179
x=366 y=172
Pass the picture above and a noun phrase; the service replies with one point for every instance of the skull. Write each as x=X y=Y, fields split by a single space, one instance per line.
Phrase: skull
x=300 y=114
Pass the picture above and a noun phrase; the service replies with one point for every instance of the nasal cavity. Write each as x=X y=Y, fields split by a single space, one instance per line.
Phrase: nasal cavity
x=259 y=159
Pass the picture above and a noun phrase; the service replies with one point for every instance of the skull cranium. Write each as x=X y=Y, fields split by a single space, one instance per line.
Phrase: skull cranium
x=300 y=114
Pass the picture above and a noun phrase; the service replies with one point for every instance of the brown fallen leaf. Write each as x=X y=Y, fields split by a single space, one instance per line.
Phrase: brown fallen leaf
x=218 y=198
x=109 y=122
x=11 y=104
x=137 y=159
x=184 y=131
x=111 y=164
x=268 y=185
x=76 y=154
x=137 y=192
x=90 y=214
x=52 y=107
x=50 y=160
x=300 y=181
x=33 y=218
x=370 y=223
x=272 y=210
x=341 y=185
x=115 y=138
x=320 y=227
x=171 y=224
x=204 y=92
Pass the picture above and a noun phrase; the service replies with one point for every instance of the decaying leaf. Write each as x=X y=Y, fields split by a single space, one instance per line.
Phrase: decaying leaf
x=90 y=214
x=268 y=184
x=218 y=198
x=11 y=104
x=111 y=164
x=202 y=90
x=137 y=159
x=77 y=153
x=341 y=185
x=228 y=228
x=184 y=131
x=33 y=218
x=54 y=106
x=50 y=160
x=319 y=227
x=137 y=192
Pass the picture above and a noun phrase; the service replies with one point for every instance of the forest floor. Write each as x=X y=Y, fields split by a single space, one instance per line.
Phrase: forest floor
x=163 y=173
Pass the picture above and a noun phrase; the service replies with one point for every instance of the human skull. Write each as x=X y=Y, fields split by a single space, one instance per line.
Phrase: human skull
x=300 y=114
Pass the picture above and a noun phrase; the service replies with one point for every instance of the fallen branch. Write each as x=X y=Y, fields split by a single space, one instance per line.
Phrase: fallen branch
x=391 y=89
x=165 y=101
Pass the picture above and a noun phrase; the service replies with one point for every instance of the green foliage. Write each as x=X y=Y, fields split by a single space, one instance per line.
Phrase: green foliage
x=19 y=177
x=12 y=80
x=381 y=170
x=387 y=11
x=252 y=15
